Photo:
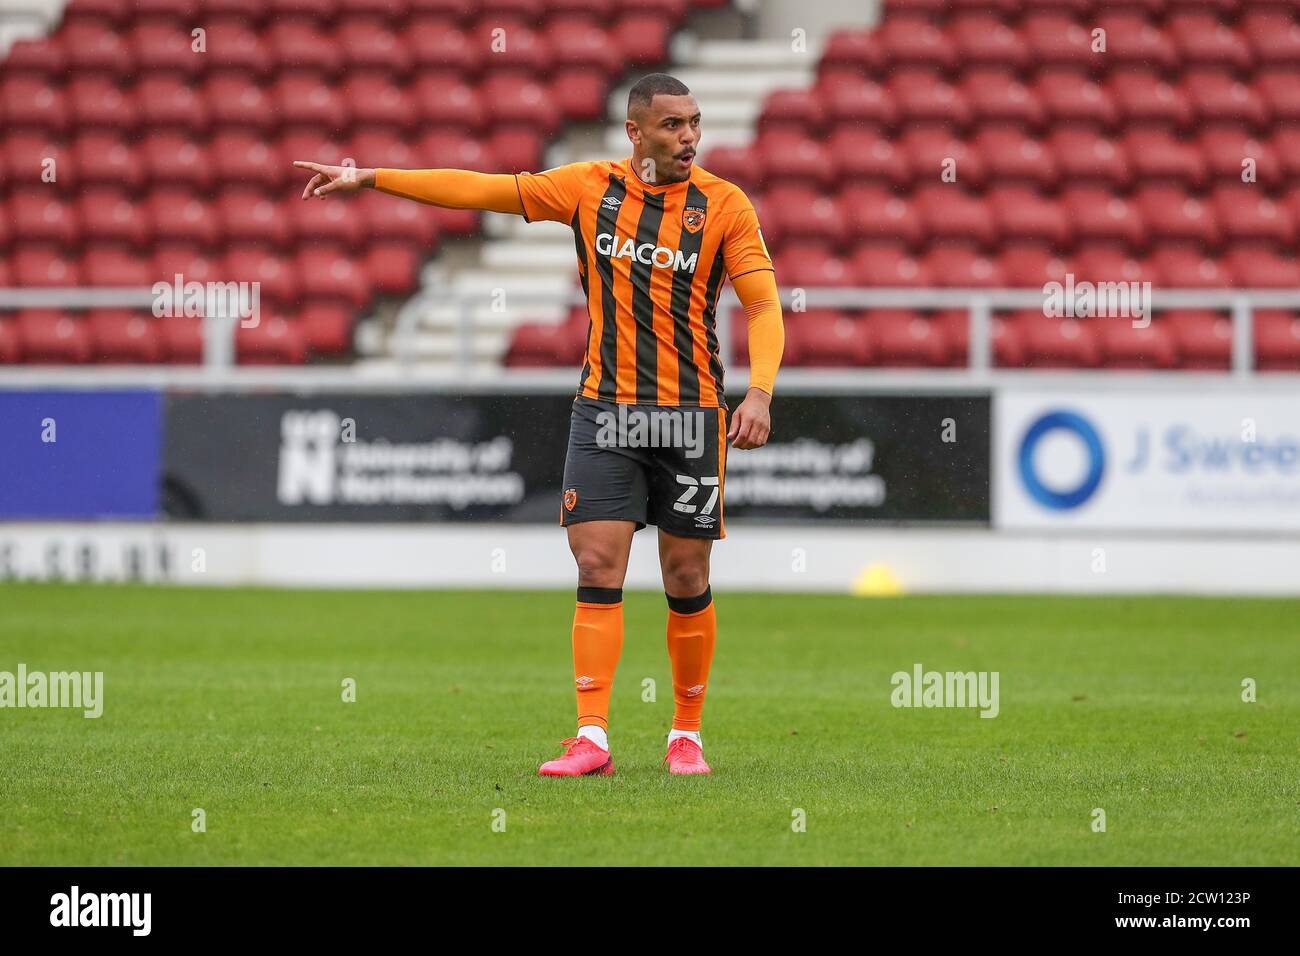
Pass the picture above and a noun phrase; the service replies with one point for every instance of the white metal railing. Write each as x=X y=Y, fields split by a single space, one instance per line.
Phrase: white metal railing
x=219 y=353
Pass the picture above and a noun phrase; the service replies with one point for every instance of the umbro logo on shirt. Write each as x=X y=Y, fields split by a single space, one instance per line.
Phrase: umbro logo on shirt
x=611 y=202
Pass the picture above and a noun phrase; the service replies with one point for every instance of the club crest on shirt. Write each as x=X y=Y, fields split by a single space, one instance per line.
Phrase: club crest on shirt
x=570 y=498
x=693 y=218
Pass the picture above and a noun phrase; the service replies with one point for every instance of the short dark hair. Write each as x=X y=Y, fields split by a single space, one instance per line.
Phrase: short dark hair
x=648 y=87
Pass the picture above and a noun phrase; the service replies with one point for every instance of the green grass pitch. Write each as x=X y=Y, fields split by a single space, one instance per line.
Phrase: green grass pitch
x=231 y=701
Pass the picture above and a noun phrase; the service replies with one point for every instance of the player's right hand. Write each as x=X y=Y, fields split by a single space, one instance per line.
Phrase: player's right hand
x=334 y=179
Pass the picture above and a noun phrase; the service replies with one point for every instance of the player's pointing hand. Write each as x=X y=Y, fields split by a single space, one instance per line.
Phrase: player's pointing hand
x=334 y=179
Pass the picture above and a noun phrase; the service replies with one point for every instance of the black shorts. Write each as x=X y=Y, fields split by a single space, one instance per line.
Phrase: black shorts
x=651 y=464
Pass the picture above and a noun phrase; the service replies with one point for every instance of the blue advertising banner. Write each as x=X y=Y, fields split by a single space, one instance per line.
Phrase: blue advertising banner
x=91 y=454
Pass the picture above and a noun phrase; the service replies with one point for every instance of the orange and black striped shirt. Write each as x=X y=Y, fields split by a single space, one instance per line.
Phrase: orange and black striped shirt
x=652 y=261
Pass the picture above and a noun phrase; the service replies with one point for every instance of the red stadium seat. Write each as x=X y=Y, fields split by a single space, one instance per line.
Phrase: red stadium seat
x=1009 y=155
x=1030 y=265
x=1227 y=152
x=165 y=46
x=169 y=101
x=236 y=100
x=1096 y=214
x=97 y=102
x=912 y=43
x=949 y=212
x=1247 y=214
x=1277 y=341
x=934 y=155
x=376 y=102
x=901 y=337
x=832 y=339
x=1124 y=346
x=272 y=341
x=1057 y=343
x=1105 y=263
x=1068 y=97
x=108 y=213
x=90 y=47
x=367 y=42
x=122 y=336
x=329 y=273
x=241 y=158
x=176 y=159
x=1171 y=215
x=855 y=101
x=545 y=344
x=1202 y=39
x=43 y=265
x=42 y=216
x=322 y=220
x=872 y=212
x=1202 y=339
x=10 y=347
x=880 y=265
x=1084 y=156
x=182 y=339
x=1155 y=155
x=277 y=283
x=102 y=158
x=811 y=264
x=963 y=268
x=862 y=156
x=234 y=47
x=303 y=99
x=924 y=98
x=392 y=267
x=37 y=58
x=642 y=36
x=252 y=216
x=31 y=103
x=983 y=40
x=439 y=48
x=796 y=160
x=1133 y=41
x=1146 y=99
x=1218 y=97
x=1001 y=98
x=179 y=215
x=519 y=102
x=799 y=212
x=1185 y=268
x=1273 y=35
x=1022 y=213
x=48 y=336
x=856 y=52
x=301 y=45
x=327 y=327
x=438 y=104
x=797 y=113
x=1056 y=38
x=1254 y=268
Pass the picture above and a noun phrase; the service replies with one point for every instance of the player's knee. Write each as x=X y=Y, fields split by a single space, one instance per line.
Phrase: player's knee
x=686 y=578
x=598 y=568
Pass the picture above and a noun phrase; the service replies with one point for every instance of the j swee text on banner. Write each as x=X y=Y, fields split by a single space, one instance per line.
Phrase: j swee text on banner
x=1143 y=460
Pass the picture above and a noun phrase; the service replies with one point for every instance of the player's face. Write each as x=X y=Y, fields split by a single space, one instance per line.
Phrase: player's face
x=667 y=132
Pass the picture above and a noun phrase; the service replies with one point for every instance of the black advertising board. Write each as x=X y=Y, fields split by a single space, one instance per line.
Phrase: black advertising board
x=500 y=457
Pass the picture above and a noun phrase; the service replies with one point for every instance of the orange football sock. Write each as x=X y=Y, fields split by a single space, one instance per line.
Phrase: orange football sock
x=692 y=633
x=597 y=644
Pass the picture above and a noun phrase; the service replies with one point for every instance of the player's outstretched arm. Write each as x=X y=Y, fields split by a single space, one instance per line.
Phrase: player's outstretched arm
x=450 y=188
x=751 y=422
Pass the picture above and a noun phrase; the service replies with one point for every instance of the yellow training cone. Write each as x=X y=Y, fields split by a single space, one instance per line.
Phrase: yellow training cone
x=876 y=580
